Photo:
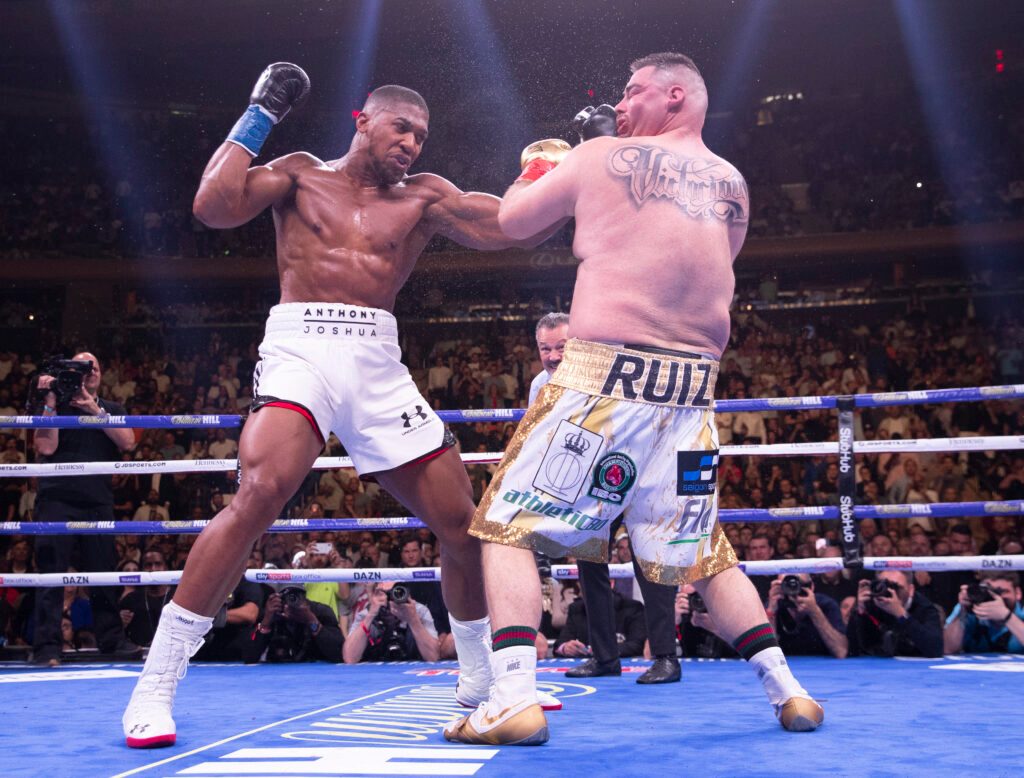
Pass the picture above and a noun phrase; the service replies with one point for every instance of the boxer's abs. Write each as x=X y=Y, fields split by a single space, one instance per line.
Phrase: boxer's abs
x=342 y=275
x=359 y=253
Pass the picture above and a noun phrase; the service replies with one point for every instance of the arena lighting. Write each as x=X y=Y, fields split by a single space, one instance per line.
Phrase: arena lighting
x=932 y=63
x=95 y=82
x=357 y=55
x=486 y=64
x=737 y=75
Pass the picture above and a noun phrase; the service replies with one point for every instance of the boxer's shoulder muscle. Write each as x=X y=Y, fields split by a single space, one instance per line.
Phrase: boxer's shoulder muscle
x=430 y=186
x=701 y=184
x=297 y=162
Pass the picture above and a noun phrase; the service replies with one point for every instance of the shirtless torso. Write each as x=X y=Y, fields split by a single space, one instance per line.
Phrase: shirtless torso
x=659 y=221
x=665 y=220
x=340 y=239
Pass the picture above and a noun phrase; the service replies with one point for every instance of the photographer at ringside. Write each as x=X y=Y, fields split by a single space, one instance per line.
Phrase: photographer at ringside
x=695 y=627
x=293 y=629
x=69 y=388
x=988 y=617
x=892 y=619
x=804 y=621
x=391 y=627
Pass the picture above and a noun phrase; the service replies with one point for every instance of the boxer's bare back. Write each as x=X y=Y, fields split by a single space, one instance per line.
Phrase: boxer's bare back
x=659 y=221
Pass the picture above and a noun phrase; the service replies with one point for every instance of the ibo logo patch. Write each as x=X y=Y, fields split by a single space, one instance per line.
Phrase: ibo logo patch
x=614 y=476
x=696 y=472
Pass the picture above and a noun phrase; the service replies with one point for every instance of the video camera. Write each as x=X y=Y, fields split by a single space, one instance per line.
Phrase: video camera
x=69 y=377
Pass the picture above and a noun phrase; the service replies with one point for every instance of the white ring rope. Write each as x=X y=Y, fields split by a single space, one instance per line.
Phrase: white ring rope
x=412 y=574
x=987 y=443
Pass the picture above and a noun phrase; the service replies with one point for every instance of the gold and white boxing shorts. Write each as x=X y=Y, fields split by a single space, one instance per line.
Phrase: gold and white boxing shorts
x=617 y=430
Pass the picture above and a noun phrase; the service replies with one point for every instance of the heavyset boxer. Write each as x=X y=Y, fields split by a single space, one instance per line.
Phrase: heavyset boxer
x=349 y=232
x=625 y=426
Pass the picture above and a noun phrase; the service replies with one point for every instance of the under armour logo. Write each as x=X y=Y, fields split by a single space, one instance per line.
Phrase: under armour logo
x=408 y=417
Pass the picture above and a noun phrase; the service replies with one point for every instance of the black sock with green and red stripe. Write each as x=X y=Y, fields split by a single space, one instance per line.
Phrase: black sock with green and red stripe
x=506 y=637
x=755 y=640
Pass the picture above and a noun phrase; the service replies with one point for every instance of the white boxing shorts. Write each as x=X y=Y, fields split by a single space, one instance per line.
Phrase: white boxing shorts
x=339 y=366
x=618 y=430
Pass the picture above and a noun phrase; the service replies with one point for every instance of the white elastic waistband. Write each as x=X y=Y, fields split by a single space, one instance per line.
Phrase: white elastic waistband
x=333 y=320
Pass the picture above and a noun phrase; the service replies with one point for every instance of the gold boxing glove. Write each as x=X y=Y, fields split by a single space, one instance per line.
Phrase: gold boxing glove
x=540 y=157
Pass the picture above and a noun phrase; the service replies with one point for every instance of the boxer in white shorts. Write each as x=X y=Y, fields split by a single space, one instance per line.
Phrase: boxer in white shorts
x=339 y=366
x=616 y=430
x=349 y=230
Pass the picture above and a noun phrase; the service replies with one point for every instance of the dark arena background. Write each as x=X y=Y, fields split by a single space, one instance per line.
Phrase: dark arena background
x=870 y=402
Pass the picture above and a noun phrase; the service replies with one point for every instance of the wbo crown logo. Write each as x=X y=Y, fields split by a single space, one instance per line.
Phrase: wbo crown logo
x=577 y=444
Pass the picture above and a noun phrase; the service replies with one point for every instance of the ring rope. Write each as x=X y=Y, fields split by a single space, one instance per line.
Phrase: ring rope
x=920 y=445
x=563 y=572
x=873 y=400
x=726 y=515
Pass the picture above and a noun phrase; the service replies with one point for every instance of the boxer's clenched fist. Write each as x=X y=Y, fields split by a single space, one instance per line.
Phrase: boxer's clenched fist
x=280 y=88
x=595 y=122
x=541 y=157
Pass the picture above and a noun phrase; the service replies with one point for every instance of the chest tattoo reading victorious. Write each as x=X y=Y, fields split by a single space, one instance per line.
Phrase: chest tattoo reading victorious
x=703 y=188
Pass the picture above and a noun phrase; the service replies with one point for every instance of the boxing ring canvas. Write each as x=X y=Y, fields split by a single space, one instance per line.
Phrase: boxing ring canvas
x=884 y=717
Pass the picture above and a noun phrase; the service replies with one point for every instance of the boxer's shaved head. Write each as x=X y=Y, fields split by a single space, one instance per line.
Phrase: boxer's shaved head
x=393 y=96
x=667 y=61
x=672 y=68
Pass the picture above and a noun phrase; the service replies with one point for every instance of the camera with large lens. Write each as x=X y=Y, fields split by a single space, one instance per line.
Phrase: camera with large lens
x=793 y=587
x=697 y=604
x=882 y=588
x=386 y=627
x=398 y=594
x=69 y=377
x=293 y=596
x=978 y=593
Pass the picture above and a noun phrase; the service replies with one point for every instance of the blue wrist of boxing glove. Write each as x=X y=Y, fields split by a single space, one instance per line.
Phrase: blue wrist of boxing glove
x=251 y=129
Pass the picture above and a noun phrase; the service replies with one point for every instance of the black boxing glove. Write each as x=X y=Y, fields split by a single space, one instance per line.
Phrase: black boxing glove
x=280 y=88
x=594 y=122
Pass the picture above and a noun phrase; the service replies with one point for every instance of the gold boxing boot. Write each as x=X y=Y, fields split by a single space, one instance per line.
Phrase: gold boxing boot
x=522 y=724
x=800 y=714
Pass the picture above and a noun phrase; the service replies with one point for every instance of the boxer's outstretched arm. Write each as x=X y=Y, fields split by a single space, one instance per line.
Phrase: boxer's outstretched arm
x=231 y=193
x=530 y=207
x=471 y=219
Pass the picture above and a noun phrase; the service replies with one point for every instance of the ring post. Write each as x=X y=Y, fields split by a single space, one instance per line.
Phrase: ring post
x=849 y=531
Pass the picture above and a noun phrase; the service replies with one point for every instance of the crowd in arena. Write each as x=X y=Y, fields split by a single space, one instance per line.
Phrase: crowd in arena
x=817 y=164
x=909 y=351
